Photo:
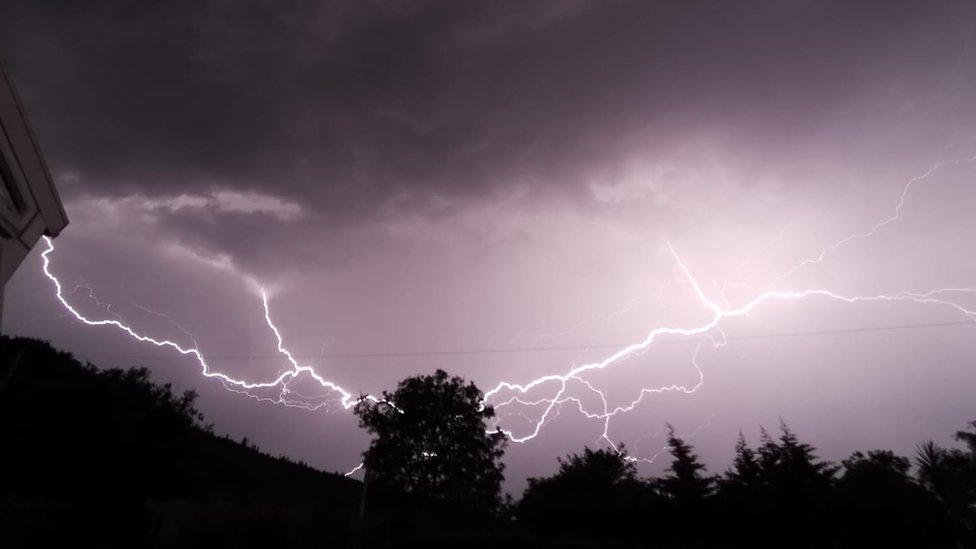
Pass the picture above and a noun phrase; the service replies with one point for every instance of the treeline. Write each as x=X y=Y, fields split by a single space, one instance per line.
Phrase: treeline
x=107 y=458
x=778 y=494
x=433 y=468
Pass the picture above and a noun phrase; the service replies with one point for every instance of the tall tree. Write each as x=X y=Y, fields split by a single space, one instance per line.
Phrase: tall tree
x=686 y=483
x=793 y=465
x=797 y=488
x=746 y=471
x=687 y=490
x=432 y=441
x=740 y=499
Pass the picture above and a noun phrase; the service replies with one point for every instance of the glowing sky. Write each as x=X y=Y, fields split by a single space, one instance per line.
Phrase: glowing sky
x=415 y=177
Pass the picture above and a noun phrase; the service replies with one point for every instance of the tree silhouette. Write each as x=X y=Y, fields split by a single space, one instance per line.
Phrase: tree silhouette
x=685 y=485
x=746 y=472
x=431 y=442
x=951 y=475
x=881 y=505
x=796 y=487
x=594 y=495
x=687 y=489
x=741 y=498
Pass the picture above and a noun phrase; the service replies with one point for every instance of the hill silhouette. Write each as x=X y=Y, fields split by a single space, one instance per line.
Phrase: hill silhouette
x=107 y=458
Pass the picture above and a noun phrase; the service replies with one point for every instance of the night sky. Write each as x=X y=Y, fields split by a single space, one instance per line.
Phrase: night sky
x=491 y=188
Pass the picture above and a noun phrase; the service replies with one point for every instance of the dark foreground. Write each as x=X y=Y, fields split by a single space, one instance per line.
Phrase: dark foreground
x=106 y=458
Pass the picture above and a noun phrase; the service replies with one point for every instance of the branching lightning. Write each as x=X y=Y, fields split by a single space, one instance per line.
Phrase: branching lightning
x=561 y=389
x=281 y=383
x=718 y=314
x=895 y=216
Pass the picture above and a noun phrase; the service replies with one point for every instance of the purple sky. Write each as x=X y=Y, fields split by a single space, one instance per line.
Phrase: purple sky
x=413 y=177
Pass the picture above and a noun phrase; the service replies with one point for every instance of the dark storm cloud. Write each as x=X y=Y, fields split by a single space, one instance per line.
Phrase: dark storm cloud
x=351 y=99
x=363 y=109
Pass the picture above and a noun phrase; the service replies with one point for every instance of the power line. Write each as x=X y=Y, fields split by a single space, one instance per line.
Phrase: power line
x=512 y=350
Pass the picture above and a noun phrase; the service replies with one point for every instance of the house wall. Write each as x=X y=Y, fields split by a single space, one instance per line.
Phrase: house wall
x=29 y=203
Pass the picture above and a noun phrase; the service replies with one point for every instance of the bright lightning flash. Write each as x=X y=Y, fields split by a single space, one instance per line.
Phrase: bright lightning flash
x=559 y=387
x=282 y=383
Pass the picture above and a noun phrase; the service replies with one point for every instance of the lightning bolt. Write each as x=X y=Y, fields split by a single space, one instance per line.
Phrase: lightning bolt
x=282 y=383
x=560 y=387
x=718 y=314
x=874 y=229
